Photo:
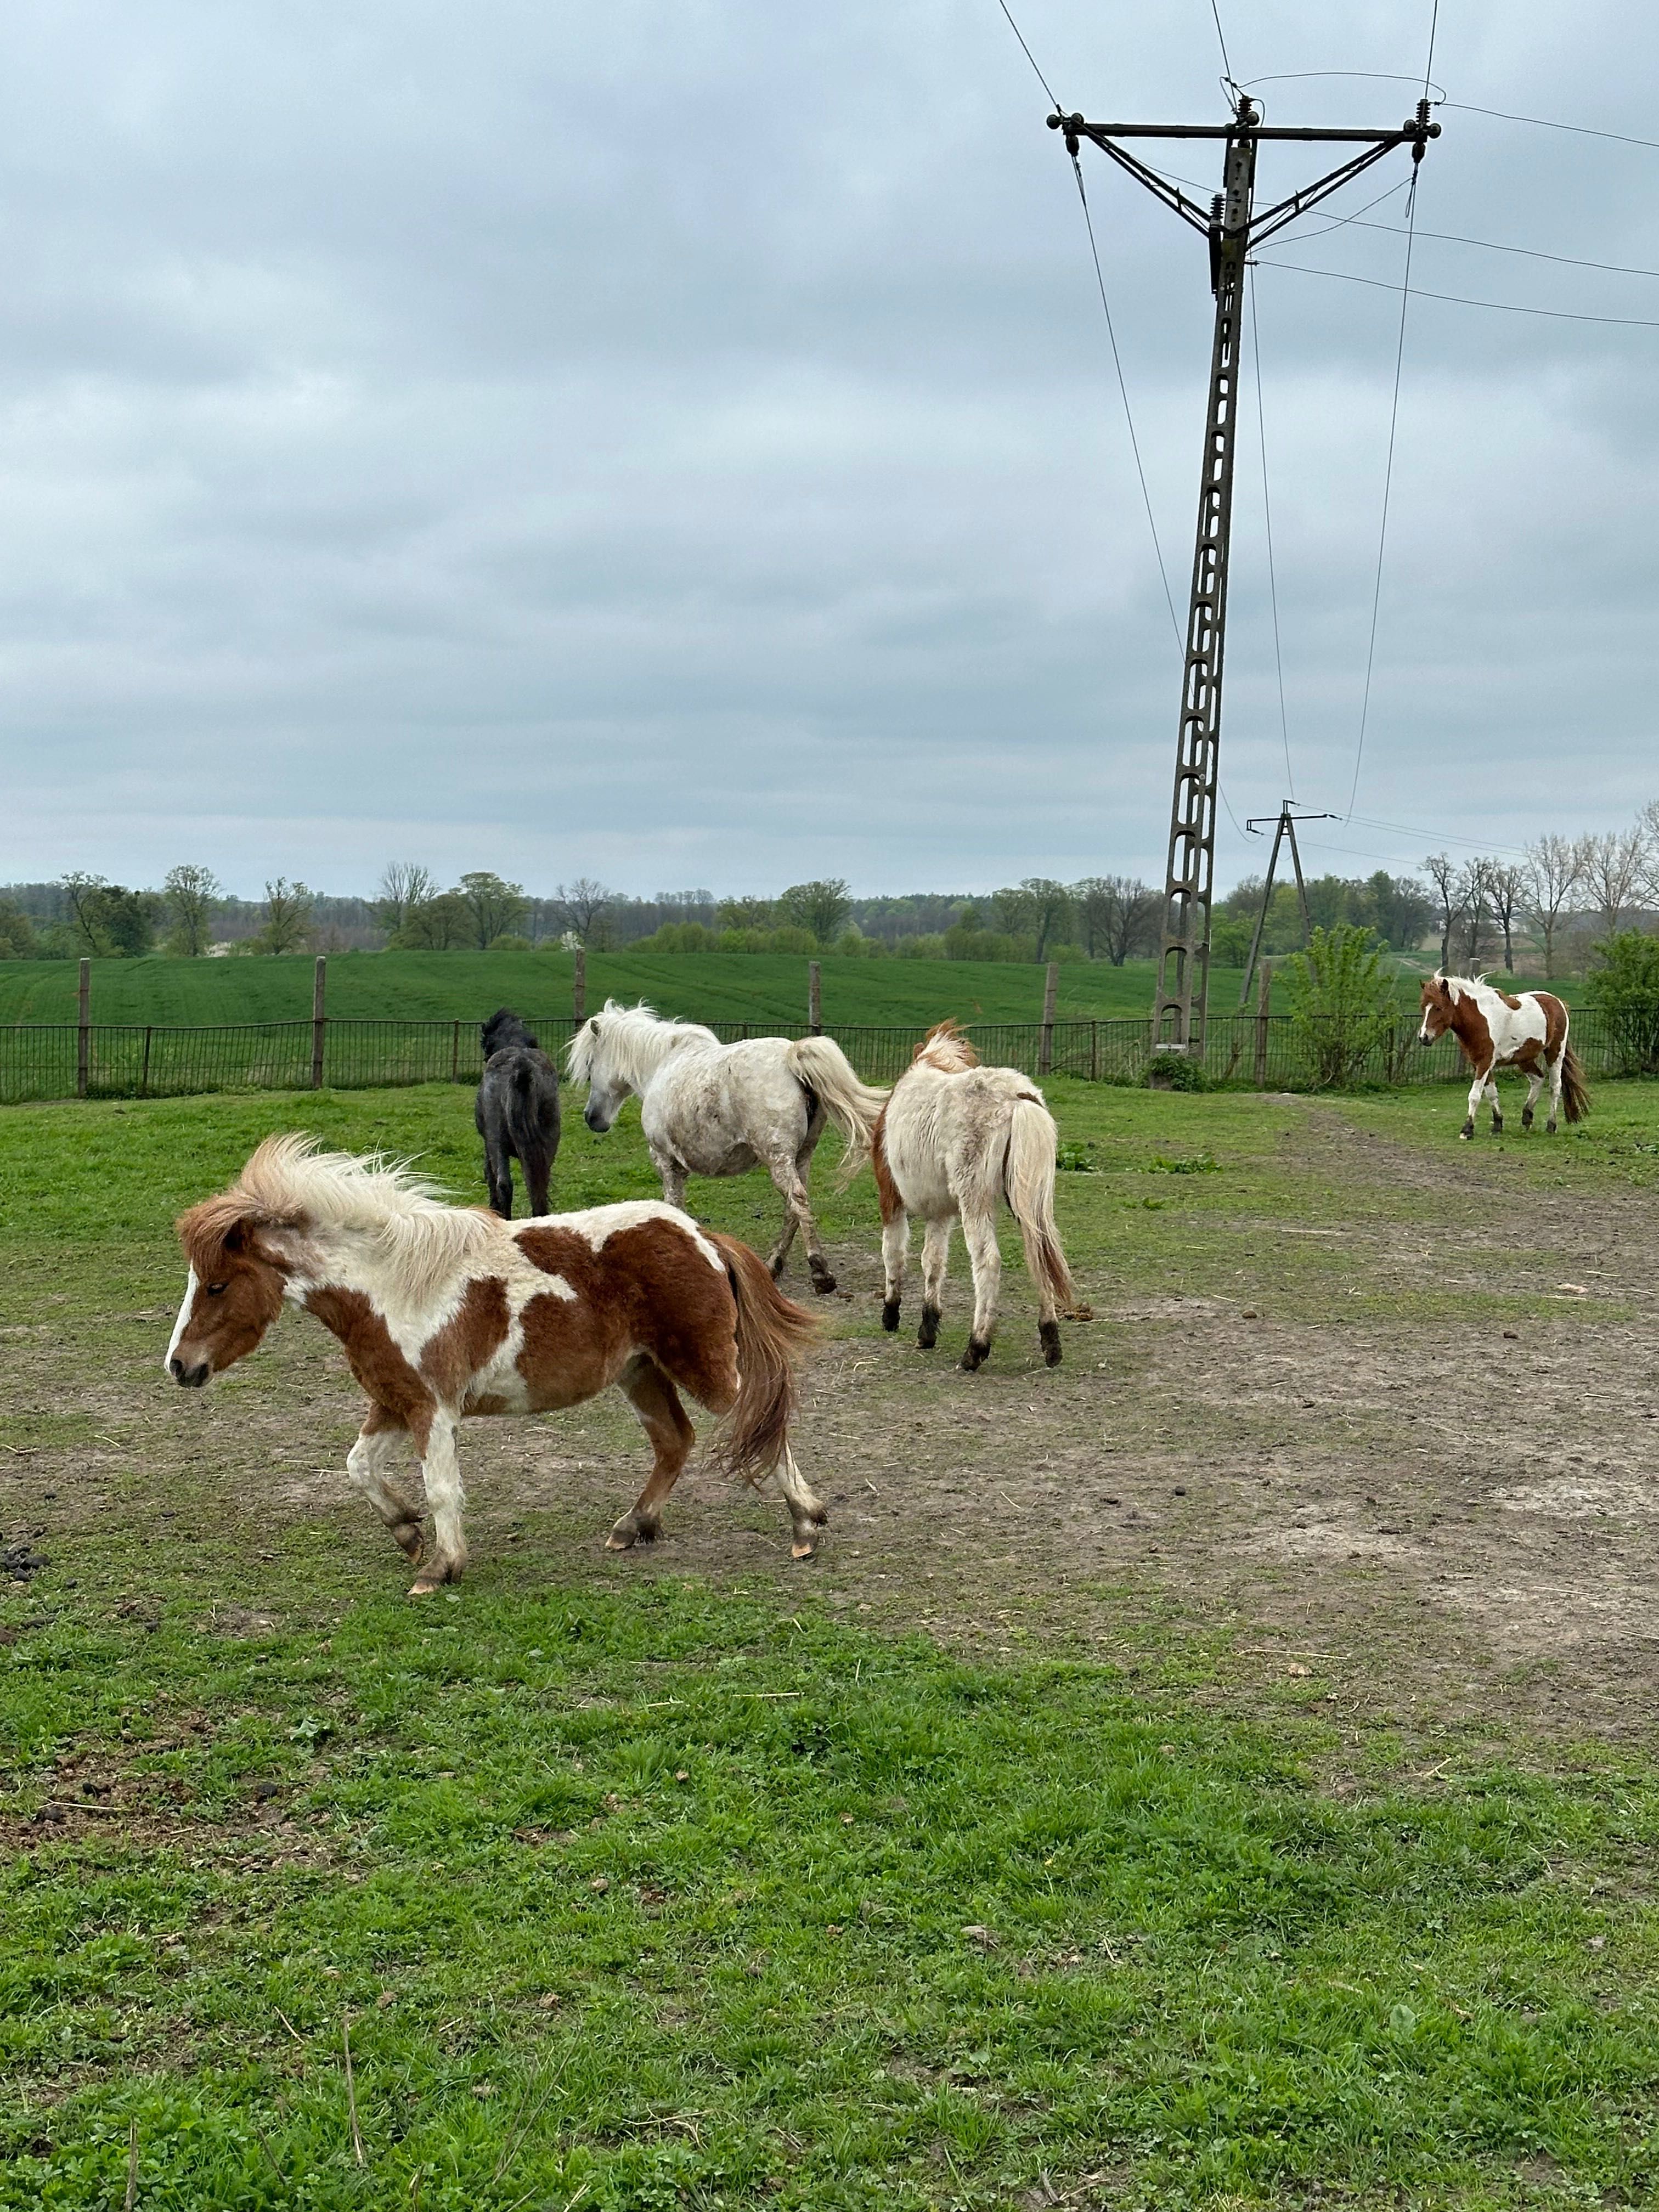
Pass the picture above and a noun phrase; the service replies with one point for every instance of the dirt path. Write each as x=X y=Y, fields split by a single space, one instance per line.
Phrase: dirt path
x=1420 y=1523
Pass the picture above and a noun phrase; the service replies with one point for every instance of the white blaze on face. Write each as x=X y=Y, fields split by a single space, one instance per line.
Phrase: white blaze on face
x=178 y=1326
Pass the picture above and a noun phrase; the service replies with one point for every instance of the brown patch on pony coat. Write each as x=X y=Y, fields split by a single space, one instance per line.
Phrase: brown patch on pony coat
x=469 y=1339
x=887 y=1196
x=386 y=1378
x=221 y=1246
x=647 y=1289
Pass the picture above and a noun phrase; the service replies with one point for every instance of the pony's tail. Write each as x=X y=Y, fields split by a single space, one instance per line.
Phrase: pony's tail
x=1575 y=1093
x=1029 y=1182
x=524 y=1127
x=773 y=1334
x=819 y=1063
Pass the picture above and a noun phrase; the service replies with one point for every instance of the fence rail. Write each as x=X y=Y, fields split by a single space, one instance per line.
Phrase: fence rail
x=43 y=1061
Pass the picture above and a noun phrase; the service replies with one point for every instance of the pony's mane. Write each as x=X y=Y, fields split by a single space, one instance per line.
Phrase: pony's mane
x=945 y=1048
x=1456 y=985
x=634 y=1041
x=291 y=1182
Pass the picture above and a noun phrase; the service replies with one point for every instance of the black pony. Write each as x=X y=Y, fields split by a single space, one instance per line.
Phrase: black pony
x=517 y=1112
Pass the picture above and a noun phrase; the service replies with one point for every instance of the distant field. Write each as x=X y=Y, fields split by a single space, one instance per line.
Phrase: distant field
x=448 y=986
x=445 y=986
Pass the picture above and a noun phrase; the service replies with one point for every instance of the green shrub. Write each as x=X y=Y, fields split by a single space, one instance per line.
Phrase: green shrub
x=1623 y=986
x=1342 y=1006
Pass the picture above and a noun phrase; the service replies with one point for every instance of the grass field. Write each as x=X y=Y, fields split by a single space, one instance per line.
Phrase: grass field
x=1199 y=1775
x=448 y=986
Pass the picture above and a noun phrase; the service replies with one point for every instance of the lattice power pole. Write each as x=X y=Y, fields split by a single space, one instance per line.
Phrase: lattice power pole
x=1233 y=228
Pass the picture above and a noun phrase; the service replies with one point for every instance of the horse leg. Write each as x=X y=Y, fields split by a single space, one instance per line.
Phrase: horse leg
x=979 y=1232
x=366 y=1462
x=1475 y=1089
x=935 y=1257
x=657 y=1404
x=791 y=1179
x=1534 y=1085
x=1491 y=1095
x=673 y=1179
x=895 y=1254
x=444 y=1494
x=498 y=1174
x=780 y=1172
x=1556 y=1073
x=807 y=1512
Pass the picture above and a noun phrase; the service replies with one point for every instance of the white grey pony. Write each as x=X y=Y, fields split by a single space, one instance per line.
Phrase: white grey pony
x=709 y=1108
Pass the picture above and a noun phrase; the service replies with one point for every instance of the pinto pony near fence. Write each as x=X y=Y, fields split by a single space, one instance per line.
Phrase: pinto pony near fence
x=1495 y=1030
x=709 y=1108
x=447 y=1310
x=956 y=1138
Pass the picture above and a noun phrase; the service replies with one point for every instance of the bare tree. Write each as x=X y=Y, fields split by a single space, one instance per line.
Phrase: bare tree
x=1506 y=882
x=1448 y=880
x=191 y=894
x=584 y=906
x=1474 y=886
x=1117 y=914
x=404 y=886
x=85 y=895
x=1615 y=865
x=1555 y=869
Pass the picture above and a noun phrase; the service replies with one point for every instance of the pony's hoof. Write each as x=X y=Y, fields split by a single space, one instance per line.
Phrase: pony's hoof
x=426 y=1585
x=927 y=1334
x=976 y=1355
x=804 y=1547
x=824 y=1284
x=1549 y=1128
x=410 y=1541
x=1496 y=1128
x=1048 y=1334
x=1466 y=1132
x=774 y=1267
x=889 y=1316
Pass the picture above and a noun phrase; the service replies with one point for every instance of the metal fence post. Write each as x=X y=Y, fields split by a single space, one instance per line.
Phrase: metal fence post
x=455 y=1056
x=83 y=1031
x=814 y=1000
x=579 y=986
x=1094 y=1052
x=1045 y=1042
x=1263 y=994
x=319 y=1021
x=143 y=1078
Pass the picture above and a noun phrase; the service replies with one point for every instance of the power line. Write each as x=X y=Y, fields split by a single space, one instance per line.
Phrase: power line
x=1544 y=123
x=1268 y=511
x=1394 y=424
x=1222 y=36
x=1128 y=416
x=1490 y=246
x=1026 y=51
x=1462 y=300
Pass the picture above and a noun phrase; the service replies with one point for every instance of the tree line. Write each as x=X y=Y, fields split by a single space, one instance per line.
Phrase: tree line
x=1554 y=900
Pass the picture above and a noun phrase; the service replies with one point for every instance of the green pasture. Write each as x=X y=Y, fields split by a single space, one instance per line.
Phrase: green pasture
x=761 y=987
x=634 y=1892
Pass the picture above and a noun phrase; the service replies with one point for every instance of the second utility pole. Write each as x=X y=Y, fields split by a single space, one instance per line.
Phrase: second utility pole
x=1233 y=228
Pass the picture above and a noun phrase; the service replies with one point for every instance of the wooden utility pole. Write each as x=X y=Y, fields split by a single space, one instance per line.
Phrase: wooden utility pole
x=814 y=1000
x=83 y=1030
x=579 y=986
x=318 y=1020
x=1234 y=229
x=1046 y=1044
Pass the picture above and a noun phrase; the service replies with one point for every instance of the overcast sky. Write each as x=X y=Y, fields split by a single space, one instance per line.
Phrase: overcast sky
x=678 y=443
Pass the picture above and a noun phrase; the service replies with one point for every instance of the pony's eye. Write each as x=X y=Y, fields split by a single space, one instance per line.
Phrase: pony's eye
x=216 y=1289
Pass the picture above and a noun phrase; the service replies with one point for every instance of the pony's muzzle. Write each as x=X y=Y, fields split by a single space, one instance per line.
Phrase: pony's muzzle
x=190 y=1377
x=596 y=1121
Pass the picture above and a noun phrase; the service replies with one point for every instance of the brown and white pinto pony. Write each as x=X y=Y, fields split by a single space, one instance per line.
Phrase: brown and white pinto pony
x=1495 y=1030
x=956 y=1138
x=445 y=1311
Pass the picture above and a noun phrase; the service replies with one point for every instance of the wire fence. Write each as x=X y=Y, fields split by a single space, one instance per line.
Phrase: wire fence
x=1277 y=1052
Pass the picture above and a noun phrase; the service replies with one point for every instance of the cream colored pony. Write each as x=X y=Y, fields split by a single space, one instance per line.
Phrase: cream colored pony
x=956 y=1138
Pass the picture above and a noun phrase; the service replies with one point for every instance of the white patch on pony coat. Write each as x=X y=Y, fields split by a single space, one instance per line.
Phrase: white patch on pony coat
x=179 y=1325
